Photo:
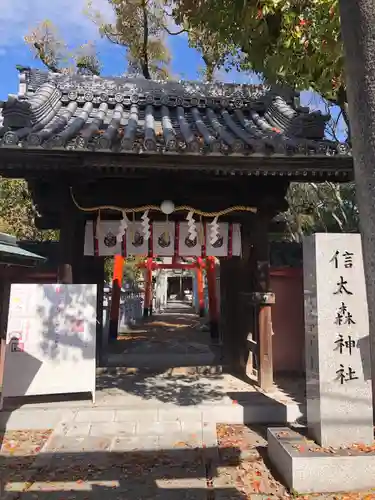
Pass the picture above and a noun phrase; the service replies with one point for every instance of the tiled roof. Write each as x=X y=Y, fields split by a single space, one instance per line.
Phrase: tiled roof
x=134 y=115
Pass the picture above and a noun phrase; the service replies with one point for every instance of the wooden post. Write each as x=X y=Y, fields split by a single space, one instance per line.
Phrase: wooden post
x=79 y=248
x=118 y=270
x=99 y=275
x=230 y=317
x=212 y=298
x=92 y=271
x=264 y=299
x=200 y=290
x=69 y=215
x=147 y=307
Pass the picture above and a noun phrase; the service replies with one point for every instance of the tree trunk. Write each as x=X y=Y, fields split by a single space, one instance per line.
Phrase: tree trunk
x=342 y=102
x=358 y=33
x=145 y=62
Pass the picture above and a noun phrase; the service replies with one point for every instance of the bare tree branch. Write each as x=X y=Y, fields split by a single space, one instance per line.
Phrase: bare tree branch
x=183 y=30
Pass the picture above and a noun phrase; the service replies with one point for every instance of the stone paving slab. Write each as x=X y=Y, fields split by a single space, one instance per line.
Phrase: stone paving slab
x=29 y=419
x=123 y=429
x=171 y=414
x=136 y=415
x=78 y=434
x=78 y=444
x=135 y=443
x=97 y=415
x=158 y=428
x=78 y=429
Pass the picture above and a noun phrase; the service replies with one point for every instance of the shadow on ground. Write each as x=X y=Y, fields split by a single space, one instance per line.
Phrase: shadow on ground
x=168 y=475
x=171 y=339
x=165 y=386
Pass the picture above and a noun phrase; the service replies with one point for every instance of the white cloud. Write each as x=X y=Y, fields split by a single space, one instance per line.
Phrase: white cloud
x=18 y=16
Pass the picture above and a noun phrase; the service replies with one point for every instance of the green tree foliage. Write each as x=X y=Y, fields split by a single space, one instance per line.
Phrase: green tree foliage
x=132 y=272
x=214 y=52
x=17 y=212
x=295 y=42
x=140 y=26
x=47 y=45
x=326 y=207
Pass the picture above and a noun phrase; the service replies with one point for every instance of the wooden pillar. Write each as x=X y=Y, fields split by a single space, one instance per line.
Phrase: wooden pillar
x=246 y=331
x=263 y=299
x=118 y=270
x=99 y=275
x=69 y=217
x=4 y=309
x=200 y=290
x=79 y=248
x=230 y=271
x=212 y=298
x=147 y=307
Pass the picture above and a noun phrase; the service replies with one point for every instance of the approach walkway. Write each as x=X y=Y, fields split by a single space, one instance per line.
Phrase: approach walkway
x=176 y=337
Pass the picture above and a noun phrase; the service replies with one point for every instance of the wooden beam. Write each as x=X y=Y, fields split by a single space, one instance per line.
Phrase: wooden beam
x=16 y=162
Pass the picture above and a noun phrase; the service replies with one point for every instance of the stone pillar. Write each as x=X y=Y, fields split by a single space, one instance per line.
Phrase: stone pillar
x=338 y=370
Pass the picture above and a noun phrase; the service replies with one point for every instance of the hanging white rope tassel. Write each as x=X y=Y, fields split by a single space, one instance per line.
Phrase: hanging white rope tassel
x=124 y=224
x=214 y=231
x=192 y=228
x=146 y=226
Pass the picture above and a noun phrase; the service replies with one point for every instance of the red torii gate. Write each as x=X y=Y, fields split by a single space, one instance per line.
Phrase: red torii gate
x=149 y=265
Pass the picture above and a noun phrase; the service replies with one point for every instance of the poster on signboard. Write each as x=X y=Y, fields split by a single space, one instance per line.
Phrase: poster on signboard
x=50 y=340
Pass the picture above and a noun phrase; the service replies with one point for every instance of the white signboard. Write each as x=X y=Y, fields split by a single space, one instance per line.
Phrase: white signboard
x=51 y=340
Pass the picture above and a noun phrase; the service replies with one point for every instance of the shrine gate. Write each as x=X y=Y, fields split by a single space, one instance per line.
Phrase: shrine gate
x=136 y=167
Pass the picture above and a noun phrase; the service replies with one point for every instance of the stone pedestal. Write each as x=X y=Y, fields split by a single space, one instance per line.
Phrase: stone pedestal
x=338 y=373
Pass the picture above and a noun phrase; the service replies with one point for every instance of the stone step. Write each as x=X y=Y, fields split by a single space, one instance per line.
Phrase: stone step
x=35 y=417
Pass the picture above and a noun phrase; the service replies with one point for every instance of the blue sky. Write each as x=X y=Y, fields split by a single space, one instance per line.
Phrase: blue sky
x=18 y=16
